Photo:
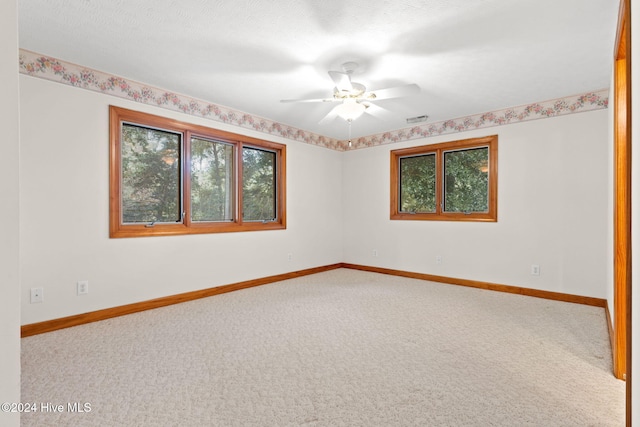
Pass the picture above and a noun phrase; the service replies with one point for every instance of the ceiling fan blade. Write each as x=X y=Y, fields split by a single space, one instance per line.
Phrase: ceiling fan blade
x=392 y=92
x=342 y=81
x=310 y=100
x=378 y=112
x=330 y=116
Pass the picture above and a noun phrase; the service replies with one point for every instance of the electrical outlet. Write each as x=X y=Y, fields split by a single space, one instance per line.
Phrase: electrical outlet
x=37 y=295
x=289 y=256
x=83 y=287
x=535 y=270
x=438 y=259
x=374 y=252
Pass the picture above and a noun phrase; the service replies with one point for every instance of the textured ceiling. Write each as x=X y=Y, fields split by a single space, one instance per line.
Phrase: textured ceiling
x=467 y=56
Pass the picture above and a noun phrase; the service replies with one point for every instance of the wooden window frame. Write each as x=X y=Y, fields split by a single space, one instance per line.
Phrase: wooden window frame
x=439 y=149
x=118 y=229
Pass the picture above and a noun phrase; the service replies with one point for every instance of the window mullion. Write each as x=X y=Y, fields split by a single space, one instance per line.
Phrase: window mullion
x=439 y=182
x=186 y=179
x=239 y=208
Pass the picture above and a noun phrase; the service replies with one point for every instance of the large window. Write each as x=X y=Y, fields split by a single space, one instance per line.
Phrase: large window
x=453 y=181
x=169 y=177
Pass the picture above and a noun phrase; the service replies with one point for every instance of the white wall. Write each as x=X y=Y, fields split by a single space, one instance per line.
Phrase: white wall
x=9 y=214
x=554 y=211
x=64 y=211
x=553 y=190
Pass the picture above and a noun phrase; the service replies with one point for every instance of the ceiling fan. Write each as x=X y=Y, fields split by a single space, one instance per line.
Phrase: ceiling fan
x=354 y=98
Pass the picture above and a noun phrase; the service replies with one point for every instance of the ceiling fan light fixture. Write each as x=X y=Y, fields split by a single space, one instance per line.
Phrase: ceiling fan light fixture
x=350 y=110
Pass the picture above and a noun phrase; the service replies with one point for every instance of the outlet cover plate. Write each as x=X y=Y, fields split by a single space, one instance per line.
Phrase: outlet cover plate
x=37 y=295
x=83 y=287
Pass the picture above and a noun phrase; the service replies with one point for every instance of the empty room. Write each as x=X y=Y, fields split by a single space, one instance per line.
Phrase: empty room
x=358 y=213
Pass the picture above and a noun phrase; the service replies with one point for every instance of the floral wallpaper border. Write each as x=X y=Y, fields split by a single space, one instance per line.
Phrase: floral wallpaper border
x=558 y=107
x=37 y=65
x=34 y=64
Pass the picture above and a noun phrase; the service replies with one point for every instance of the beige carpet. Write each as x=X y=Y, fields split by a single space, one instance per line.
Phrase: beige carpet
x=341 y=348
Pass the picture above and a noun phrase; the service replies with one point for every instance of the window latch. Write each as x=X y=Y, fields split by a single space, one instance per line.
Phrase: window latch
x=151 y=224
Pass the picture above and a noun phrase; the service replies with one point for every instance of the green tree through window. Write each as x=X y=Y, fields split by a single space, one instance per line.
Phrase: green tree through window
x=211 y=180
x=466 y=180
x=418 y=183
x=259 y=180
x=452 y=181
x=169 y=177
x=150 y=175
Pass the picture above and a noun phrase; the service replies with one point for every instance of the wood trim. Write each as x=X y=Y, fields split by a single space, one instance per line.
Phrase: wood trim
x=610 y=328
x=622 y=218
x=556 y=296
x=620 y=49
x=239 y=197
x=622 y=355
x=114 y=165
x=94 y=316
x=622 y=199
x=108 y=313
x=282 y=187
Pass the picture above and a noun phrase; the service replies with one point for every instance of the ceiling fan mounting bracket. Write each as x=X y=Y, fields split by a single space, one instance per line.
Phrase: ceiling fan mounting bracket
x=349 y=67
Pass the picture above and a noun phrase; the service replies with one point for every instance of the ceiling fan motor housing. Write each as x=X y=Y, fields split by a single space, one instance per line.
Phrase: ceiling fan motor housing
x=356 y=91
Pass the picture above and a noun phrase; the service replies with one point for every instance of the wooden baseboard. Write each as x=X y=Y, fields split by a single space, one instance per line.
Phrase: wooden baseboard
x=610 y=328
x=94 y=316
x=557 y=296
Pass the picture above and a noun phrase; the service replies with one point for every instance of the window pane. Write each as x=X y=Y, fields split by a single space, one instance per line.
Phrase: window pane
x=466 y=180
x=418 y=183
x=258 y=184
x=211 y=180
x=150 y=175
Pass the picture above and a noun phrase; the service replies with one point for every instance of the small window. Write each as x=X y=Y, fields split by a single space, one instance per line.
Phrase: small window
x=169 y=177
x=454 y=181
x=418 y=183
x=212 y=180
x=150 y=175
x=466 y=180
x=259 y=184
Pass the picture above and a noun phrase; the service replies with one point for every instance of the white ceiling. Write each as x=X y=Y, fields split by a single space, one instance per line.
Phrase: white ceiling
x=467 y=56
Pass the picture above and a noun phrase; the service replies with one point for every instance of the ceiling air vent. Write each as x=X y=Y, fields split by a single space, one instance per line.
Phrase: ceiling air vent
x=417 y=119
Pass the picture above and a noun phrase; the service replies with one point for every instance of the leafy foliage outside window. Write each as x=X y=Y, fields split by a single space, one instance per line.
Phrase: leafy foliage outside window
x=259 y=184
x=168 y=177
x=466 y=180
x=418 y=183
x=452 y=181
x=150 y=175
x=211 y=180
